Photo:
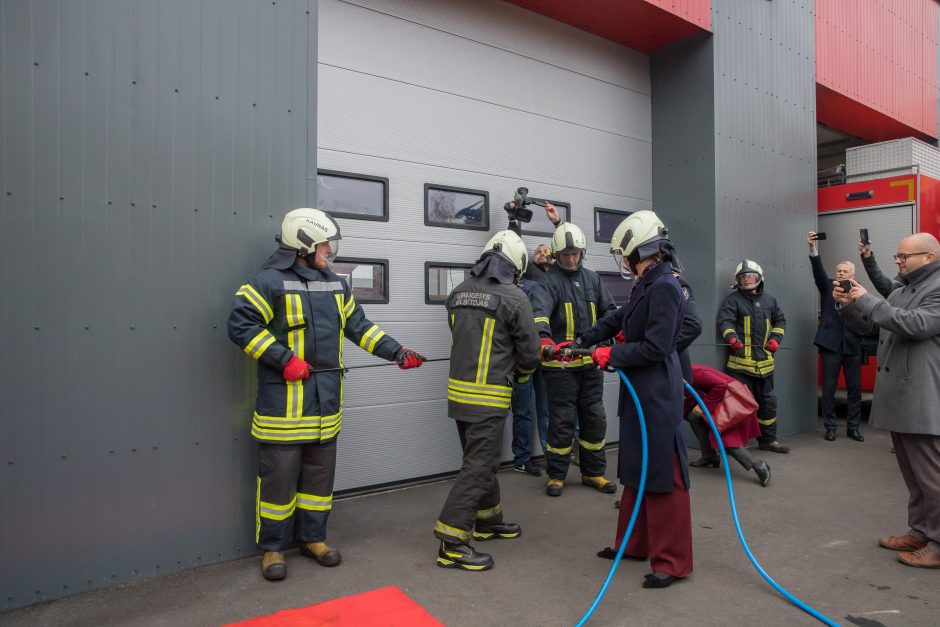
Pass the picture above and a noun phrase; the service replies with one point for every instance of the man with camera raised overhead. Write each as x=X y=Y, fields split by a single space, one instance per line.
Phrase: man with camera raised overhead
x=840 y=348
x=571 y=301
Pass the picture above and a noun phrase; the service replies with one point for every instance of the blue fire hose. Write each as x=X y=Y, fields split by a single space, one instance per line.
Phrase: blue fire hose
x=734 y=512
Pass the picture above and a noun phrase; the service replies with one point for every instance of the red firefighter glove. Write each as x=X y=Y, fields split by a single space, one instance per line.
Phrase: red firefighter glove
x=408 y=358
x=735 y=343
x=296 y=369
x=621 y=337
x=548 y=348
x=773 y=345
x=558 y=351
x=601 y=356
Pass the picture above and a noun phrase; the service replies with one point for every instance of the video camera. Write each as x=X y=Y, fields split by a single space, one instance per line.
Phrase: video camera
x=521 y=212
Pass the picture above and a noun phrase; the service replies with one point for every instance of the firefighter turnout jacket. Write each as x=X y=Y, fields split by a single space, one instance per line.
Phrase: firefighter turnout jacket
x=570 y=303
x=753 y=319
x=493 y=337
x=303 y=312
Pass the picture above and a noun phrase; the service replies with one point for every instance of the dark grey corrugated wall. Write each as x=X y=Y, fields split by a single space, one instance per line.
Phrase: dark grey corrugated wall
x=147 y=152
x=734 y=163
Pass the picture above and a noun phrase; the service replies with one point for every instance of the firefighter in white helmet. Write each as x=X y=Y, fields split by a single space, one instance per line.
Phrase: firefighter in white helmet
x=752 y=323
x=292 y=318
x=572 y=300
x=494 y=344
x=650 y=323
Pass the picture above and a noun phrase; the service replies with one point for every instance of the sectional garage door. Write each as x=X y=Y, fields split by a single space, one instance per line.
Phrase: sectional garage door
x=477 y=95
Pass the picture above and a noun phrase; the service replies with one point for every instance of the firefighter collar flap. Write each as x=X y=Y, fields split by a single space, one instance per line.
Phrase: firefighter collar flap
x=310 y=274
x=476 y=300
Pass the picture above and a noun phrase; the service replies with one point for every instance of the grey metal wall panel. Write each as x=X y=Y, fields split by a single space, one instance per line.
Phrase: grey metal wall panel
x=147 y=153
x=481 y=95
x=754 y=172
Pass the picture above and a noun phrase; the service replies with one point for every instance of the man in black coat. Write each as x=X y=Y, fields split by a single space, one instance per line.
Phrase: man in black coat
x=840 y=348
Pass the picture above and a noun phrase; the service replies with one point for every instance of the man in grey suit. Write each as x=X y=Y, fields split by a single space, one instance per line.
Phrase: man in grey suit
x=907 y=386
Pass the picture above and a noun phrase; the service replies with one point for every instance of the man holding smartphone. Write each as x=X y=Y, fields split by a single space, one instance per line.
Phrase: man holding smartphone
x=840 y=348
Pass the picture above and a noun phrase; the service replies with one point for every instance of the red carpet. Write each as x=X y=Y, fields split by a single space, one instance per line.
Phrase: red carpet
x=385 y=607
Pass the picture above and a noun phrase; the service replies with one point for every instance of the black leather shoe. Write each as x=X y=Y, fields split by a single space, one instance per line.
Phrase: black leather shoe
x=762 y=470
x=830 y=435
x=462 y=556
x=658 y=580
x=504 y=531
x=855 y=435
x=704 y=462
x=609 y=553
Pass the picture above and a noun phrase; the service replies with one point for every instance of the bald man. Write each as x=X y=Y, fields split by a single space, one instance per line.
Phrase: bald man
x=907 y=387
x=840 y=348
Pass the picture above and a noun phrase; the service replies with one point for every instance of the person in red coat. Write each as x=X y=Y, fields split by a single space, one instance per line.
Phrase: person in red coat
x=734 y=409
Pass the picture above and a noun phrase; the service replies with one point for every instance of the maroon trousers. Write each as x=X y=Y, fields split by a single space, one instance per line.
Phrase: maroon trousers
x=663 y=529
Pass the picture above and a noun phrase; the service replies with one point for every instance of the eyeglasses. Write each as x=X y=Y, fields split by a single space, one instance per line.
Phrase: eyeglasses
x=902 y=257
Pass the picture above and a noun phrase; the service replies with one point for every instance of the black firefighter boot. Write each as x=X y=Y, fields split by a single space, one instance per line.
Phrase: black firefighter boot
x=504 y=531
x=462 y=556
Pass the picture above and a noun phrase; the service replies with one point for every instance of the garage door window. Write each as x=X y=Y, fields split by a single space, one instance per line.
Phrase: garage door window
x=368 y=278
x=456 y=207
x=540 y=224
x=606 y=222
x=618 y=286
x=440 y=278
x=356 y=196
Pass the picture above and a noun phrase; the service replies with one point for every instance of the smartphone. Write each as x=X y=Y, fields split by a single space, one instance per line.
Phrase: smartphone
x=820 y=236
x=863 y=235
x=846 y=285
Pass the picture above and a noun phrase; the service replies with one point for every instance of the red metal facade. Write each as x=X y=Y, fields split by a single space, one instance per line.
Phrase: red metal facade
x=876 y=67
x=644 y=25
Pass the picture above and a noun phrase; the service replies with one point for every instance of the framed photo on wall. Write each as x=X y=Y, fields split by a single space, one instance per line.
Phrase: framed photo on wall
x=356 y=196
x=456 y=207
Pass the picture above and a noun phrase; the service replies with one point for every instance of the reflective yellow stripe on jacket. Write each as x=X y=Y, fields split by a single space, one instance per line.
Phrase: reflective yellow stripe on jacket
x=479 y=393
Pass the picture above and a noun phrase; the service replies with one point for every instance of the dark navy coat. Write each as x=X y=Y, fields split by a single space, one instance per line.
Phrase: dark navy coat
x=831 y=334
x=651 y=320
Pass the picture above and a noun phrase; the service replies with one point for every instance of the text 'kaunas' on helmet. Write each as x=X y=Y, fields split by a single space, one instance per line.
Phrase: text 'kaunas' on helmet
x=302 y=229
x=640 y=236
x=510 y=246
x=748 y=267
x=568 y=239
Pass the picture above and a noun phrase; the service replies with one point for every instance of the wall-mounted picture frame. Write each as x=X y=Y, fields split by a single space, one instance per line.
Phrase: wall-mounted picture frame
x=540 y=224
x=351 y=195
x=441 y=277
x=456 y=207
x=606 y=222
x=368 y=278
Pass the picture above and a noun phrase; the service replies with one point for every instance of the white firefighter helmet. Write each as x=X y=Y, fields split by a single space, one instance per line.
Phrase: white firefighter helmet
x=639 y=236
x=510 y=246
x=568 y=238
x=748 y=266
x=302 y=229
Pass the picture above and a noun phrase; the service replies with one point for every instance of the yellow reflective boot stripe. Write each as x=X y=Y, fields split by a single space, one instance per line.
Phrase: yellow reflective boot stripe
x=486 y=347
x=259 y=344
x=747 y=337
x=451 y=531
x=273 y=511
x=768 y=422
x=593 y=313
x=569 y=322
x=558 y=451
x=312 y=502
x=257 y=300
x=592 y=446
x=490 y=512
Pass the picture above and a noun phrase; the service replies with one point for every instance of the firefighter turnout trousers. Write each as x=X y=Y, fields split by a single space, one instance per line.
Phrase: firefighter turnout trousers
x=763 y=391
x=575 y=396
x=295 y=493
x=474 y=498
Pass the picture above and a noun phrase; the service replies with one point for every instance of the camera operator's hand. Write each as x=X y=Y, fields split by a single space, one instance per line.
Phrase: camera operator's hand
x=865 y=249
x=552 y=212
x=811 y=240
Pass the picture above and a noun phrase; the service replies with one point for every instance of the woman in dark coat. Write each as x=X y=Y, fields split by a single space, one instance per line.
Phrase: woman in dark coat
x=723 y=392
x=650 y=322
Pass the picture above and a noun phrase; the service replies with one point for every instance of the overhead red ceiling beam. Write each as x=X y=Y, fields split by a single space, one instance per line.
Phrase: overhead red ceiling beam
x=644 y=25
